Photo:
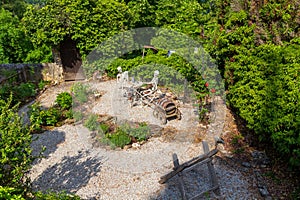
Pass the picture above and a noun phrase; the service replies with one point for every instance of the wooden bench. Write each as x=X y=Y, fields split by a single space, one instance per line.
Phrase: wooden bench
x=180 y=169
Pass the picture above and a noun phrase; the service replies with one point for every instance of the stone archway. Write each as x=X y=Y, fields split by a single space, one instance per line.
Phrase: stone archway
x=68 y=56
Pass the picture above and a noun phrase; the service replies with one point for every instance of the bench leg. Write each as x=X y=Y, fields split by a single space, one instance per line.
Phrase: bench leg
x=180 y=177
x=212 y=173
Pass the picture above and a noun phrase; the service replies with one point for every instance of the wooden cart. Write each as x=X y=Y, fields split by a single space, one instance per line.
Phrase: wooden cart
x=163 y=107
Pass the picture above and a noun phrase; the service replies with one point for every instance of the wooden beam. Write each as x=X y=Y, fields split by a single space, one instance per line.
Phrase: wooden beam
x=187 y=164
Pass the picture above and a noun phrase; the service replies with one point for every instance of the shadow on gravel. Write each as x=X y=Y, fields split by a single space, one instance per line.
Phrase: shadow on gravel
x=69 y=175
x=48 y=140
x=195 y=181
x=233 y=184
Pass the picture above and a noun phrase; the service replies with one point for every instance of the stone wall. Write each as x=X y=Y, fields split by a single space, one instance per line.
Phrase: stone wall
x=52 y=72
x=34 y=72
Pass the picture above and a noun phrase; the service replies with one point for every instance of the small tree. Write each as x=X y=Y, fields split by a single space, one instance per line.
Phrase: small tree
x=15 y=139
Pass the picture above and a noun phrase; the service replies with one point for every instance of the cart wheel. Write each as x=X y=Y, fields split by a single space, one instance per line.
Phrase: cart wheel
x=179 y=116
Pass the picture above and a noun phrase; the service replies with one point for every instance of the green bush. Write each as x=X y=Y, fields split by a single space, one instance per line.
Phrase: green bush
x=21 y=91
x=64 y=100
x=173 y=70
x=260 y=62
x=120 y=138
x=55 y=196
x=69 y=114
x=140 y=132
x=24 y=91
x=10 y=193
x=15 y=156
x=5 y=91
x=77 y=115
x=266 y=94
x=80 y=92
x=15 y=140
x=35 y=117
x=51 y=116
x=40 y=117
x=91 y=122
x=42 y=84
x=104 y=128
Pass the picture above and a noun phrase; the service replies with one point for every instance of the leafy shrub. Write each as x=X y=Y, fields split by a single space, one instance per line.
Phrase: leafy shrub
x=173 y=70
x=51 y=116
x=40 y=54
x=141 y=132
x=21 y=91
x=80 y=92
x=24 y=91
x=15 y=140
x=91 y=122
x=14 y=44
x=69 y=114
x=35 y=117
x=42 y=84
x=77 y=115
x=10 y=193
x=55 y=196
x=120 y=138
x=262 y=78
x=266 y=94
x=39 y=117
x=5 y=91
x=64 y=100
x=104 y=128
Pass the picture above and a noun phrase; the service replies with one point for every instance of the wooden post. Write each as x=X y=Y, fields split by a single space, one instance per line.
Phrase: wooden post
x=212 y=173
x=181 y=184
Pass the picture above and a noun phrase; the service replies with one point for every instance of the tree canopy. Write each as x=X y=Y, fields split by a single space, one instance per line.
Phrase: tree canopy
x=14 y=45
x=16 y=7
x=87 y=22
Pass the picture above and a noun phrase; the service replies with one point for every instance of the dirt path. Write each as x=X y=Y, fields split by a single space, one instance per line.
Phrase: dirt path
x=74 y=165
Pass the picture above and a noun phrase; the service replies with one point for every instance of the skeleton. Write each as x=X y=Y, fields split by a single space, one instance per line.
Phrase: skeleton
x=151 y=90
x=119 y=74
x=122 y=76
x=154 y=80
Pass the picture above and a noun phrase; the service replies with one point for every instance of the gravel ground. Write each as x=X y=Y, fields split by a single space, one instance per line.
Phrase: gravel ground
x=73 y=164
